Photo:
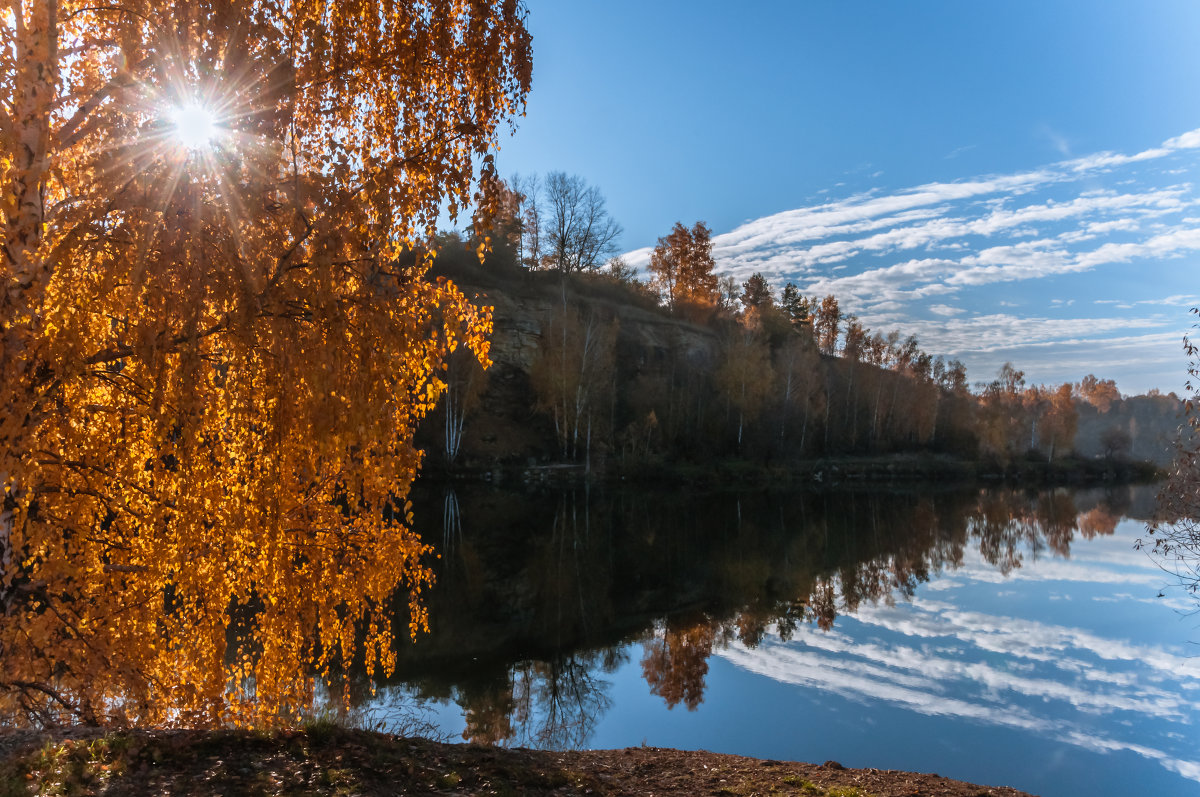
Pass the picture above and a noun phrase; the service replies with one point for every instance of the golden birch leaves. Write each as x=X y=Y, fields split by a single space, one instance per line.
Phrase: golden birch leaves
x=215 y=356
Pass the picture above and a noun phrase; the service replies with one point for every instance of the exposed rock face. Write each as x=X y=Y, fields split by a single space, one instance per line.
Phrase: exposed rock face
x=656 y=353
x=506 y=429
x=519 y=320
x=518 y=328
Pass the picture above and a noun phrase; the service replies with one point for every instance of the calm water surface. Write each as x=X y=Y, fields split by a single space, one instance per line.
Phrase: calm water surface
x=1002 y=637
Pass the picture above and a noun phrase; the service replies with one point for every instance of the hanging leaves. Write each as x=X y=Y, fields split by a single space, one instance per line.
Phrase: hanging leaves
x=214 y=349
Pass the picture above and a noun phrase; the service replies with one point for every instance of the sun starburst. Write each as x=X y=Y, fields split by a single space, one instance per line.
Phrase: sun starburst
x=195 y=126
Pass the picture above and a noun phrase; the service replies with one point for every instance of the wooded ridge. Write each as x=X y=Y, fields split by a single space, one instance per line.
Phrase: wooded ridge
x=592 y=375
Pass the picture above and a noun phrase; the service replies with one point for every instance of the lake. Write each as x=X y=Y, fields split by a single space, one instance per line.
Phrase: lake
x=1004 y=637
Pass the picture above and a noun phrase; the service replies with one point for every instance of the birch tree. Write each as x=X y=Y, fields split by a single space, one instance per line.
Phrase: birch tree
x=212 y=354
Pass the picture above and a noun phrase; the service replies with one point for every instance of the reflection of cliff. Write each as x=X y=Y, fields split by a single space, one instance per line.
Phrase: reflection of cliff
x=539 y=592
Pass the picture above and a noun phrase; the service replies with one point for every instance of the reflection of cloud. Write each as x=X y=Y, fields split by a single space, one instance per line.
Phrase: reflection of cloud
x=943 y=681
x=936 y=658
x=1057 y=570
x=942 y=584
x=936 y=671
x=1177 y=604
x=1021 y=637
x=837 y=676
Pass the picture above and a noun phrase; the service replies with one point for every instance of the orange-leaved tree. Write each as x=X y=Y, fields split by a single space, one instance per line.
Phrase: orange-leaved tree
x=682 y=268
x=213 y=346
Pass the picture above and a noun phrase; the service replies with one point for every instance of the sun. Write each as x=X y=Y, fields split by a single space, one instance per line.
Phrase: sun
x=195 y=126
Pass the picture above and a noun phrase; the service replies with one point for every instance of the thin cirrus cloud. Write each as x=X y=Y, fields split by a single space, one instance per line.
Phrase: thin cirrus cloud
x=938 y=260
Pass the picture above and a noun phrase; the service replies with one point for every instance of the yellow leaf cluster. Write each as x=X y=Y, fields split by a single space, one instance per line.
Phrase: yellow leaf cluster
x=212 y=361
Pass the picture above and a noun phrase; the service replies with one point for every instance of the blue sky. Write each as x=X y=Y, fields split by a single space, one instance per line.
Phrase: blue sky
x=1009 y=181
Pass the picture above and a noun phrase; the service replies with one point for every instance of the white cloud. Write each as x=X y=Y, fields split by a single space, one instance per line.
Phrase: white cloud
x=1189 y=140
x=943 y=310
x=1078 y=222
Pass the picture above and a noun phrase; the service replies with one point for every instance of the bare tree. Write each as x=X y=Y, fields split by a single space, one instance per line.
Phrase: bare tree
x=465 y=383
x=1174 y=536
x=532 y=250
x=728 y=293
x=578 y=232
x=571 y=373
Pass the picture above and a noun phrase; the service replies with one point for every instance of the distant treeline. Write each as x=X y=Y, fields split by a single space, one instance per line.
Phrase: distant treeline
x=690 y=366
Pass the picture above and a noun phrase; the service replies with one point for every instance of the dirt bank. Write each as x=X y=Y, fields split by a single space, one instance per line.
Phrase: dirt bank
x=326 y=760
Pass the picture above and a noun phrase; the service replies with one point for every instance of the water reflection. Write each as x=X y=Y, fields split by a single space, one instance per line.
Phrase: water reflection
x=541 y=595
x=674 y=664
x=541 y=598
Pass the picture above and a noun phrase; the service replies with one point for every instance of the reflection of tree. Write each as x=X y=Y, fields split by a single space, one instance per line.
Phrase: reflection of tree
x=1057 y=519
x=597 y=569
x=1002 y=528
x=570 y=580
x=822 y=602
x=675 y=664
x=488 y=709
x=1096 y=521
x=1002 y=524
x=557 y=703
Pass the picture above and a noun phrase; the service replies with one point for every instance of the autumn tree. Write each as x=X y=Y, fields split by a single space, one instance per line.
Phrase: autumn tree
x=487 y=710
x=827 y=319
x=953 y=378
x=666 y=263
x=1001 y=420
x=213 y=349
x=676 y=663
x=1035 y=403
x=1060 y=420
x=905 y=359
x=1100 y=393
x=682 y=267
x=926 y=399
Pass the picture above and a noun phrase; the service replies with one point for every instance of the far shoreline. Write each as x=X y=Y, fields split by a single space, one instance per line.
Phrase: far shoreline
x=898 y=470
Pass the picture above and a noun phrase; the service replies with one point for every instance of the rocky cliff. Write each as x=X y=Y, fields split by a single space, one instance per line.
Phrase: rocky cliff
x=506 y=429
